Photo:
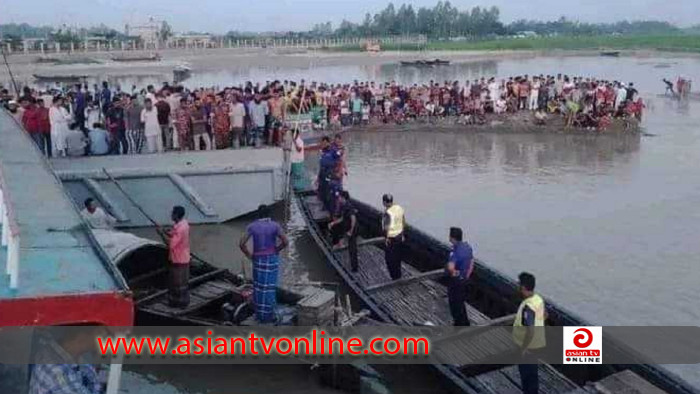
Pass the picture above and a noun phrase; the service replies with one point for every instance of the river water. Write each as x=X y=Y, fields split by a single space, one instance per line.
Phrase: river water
x=607 y=224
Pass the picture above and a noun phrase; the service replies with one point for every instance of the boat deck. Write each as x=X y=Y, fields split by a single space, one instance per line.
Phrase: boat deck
x=200 y=296
x=201 y=182
x=57 y=256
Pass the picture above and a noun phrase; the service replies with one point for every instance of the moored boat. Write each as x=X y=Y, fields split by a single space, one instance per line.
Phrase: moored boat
x=60 y=78
x=147 y=58
x=181 y=73
x=610 y=53
x=217 y=296
x=421 y=299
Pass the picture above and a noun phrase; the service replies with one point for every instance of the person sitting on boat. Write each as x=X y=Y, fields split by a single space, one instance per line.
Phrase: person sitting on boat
x=265 y=232
x=96 y=217
x=393 y=225
x=344 y=224
x=531 y=314
x=459 y=268
x=178 y=238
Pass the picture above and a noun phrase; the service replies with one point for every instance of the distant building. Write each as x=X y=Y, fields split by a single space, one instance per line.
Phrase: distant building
x=148 y=33
x=191 y=41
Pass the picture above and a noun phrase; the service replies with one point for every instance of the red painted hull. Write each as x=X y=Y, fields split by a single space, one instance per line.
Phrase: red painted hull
x=109 y=309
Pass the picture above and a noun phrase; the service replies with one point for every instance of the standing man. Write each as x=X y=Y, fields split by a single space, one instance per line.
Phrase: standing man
x=44 y=125
x=163 y=111
x=237 y=115
x=345 y=225
x=179 y=251
x=393 y=224
x=134 y=128
x=199 y=120
x=149 y=118
x=116 y=124
x=265 y=233
x=105 y=98
x=79 y=105
x=528 y=332
x=297 y=159
x=459 y=268
x=258 y=115
x=327 y=165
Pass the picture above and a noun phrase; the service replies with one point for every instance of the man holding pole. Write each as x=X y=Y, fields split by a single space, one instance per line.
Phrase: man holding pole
x=179 y=251
x=265 y=233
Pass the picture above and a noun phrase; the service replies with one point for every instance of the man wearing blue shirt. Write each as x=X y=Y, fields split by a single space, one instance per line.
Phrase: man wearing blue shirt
x=459 y=268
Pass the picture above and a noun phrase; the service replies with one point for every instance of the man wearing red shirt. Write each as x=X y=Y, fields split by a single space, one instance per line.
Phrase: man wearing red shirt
x=44 y=125
x=30 y=120
x=179 y=252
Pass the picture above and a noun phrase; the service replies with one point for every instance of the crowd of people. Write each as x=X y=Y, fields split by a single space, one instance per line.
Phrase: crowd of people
x=109 y=120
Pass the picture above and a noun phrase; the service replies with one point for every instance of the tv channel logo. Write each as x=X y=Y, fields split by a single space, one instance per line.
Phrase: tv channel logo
x=583 y=345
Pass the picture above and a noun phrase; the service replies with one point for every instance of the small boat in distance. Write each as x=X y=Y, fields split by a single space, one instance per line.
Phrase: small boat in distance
x=60 y=78
x=181 y=73
x=610 y=53
x=154 y=57
x=426 y=63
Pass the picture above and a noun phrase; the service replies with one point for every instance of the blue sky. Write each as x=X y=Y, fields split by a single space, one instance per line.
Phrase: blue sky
x=219 y=16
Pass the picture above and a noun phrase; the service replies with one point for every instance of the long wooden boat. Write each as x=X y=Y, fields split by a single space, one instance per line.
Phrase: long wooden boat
x=610 y=53
x=60 y=78
x=147 y=58
x=492 y=295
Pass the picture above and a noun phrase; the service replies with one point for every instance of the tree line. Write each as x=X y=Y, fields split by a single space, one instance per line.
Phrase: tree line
x=442 y=21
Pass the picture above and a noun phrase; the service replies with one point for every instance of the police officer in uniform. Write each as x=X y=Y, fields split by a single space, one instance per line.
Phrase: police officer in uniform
x=393 y=224
x=459 y=268
x=327 y=164
x=528 y=332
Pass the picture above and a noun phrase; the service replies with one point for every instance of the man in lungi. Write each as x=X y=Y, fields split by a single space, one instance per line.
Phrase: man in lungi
x=179 y=271
x=265 y=233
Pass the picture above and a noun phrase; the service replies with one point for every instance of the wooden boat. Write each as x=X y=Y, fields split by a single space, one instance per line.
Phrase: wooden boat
x=417 y=63
x=60 y=78
x=149 y=58
x=426 y=63
x=438 y=62
x=217 y=296
x=610 y=53
x=181 y=73
x=492 y=296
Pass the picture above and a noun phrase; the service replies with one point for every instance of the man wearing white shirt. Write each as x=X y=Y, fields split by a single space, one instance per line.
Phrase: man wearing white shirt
x=237 y=115
x=149 y=118
x=96 y=216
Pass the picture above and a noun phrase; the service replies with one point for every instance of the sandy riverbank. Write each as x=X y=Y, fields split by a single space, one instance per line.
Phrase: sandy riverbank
x=210 y=60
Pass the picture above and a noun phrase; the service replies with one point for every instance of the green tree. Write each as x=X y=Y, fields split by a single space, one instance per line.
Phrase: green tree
x=165 y=32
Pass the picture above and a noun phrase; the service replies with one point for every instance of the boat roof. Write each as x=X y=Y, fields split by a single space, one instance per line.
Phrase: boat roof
x=57 y=252
x=118 y=245
x=212 y=186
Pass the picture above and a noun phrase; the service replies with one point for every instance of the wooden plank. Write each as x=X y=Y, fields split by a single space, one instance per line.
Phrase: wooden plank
x=147 y=276
x=406 y=281
x=192 y=282
x=364 y=242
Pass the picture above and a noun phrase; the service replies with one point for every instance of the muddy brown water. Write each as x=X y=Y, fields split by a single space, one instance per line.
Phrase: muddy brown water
x=609 y=225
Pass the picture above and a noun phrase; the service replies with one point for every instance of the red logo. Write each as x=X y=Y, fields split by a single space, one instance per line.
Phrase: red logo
x=584 y=339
